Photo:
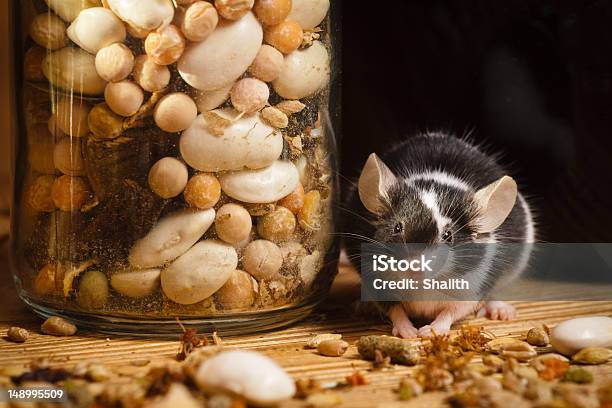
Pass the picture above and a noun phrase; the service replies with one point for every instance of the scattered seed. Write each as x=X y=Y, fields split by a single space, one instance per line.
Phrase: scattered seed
x=140 y=362
x=537 y=336
x=56 y=326
x=401 y=351
x=578 y=375
x=217 y=339
x=593 y=355
x=315 y=340
x=519 y=350
x=98 y=372
x=493 y=361
x=17 y=334
x=409 y=388
x=496 y=344
x=324 y=400
x=332 y=348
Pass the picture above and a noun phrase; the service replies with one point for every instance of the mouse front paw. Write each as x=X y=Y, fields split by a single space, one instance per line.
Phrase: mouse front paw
x=402 y=326
x=430 y=329
x=404 y=331
x=497 y=310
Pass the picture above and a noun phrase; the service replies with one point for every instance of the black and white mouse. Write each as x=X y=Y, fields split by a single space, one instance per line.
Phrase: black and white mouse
x=434 y=188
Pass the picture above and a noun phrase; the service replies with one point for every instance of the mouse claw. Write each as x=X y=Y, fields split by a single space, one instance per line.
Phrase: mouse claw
x=431 y=329
x=402 y=326
x=404 y=331
x=497 y=310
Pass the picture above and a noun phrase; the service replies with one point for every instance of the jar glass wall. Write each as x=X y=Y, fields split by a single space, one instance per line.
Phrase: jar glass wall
x=178 y=162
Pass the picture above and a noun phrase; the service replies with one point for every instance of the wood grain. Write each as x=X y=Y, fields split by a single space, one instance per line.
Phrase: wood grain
x=285 y=346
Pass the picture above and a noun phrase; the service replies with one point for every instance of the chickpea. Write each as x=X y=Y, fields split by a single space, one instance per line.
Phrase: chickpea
x=202 y=191
x=49 y=31
x=149 y=75
x=285 y=37
x=249 y=95
x=168 y=177
x=124 y=98
x=277 y=225
x=233 y=9
x=68 y=157
x=262 y=259
x=175 y=112
x=71 y=117
x=70 y=193
x=294 y=201
x=200 y=19
x=271 y=12
x=233 y=223
x=165 y=47
x=32 y=64
x=114 y=62
x=40 y=151
x=239 y=291
x=268 y=64
x=39 y=195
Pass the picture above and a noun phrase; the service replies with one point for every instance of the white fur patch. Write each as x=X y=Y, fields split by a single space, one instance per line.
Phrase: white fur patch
x=430 y=200
x=439 y=177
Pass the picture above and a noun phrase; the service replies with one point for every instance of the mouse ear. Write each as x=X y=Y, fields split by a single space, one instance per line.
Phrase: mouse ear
x=375 y=180
x=495 y=202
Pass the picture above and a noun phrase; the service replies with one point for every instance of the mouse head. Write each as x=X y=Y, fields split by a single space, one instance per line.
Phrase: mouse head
x=434 y=208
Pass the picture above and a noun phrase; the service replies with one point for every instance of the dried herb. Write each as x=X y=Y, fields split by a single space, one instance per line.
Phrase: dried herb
x=357 y=379
x=380 y=360
x=408 y=389
x=553 y=369
x=160 y=379
x=444 y=360
x=307 y=386
x=217 y=339
x=472 y=338
x=190 y=340
x=51 y=375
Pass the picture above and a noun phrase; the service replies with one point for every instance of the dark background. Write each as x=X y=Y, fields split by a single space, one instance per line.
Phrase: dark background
x=530 y=79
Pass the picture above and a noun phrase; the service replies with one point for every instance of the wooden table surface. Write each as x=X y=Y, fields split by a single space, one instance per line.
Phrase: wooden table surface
x=286 y=346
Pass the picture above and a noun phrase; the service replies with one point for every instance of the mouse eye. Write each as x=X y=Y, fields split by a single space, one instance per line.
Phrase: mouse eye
x=398 y=228
x=447 y=236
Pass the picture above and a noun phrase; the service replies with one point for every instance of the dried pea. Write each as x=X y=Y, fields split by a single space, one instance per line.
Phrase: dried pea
x=332 y=348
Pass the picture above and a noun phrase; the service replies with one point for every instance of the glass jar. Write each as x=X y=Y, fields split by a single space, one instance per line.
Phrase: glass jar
x=170 y=166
